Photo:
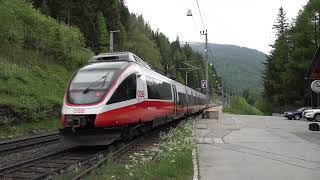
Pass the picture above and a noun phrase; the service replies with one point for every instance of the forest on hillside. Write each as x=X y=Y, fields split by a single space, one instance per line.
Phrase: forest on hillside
x=291 y=56
x=43 y=42
x=240 y=68
x=96 y=18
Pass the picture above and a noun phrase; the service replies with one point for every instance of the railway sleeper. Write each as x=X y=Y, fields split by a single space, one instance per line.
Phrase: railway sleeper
x=20 y=175
x=36 y=169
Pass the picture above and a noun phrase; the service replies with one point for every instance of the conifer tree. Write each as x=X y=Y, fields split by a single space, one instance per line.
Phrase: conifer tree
x=282 y=24
x=103 y=39
x=275 y=67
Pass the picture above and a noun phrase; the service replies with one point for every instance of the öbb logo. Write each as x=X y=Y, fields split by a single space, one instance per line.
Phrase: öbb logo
x=140 y=94
x=78 y=110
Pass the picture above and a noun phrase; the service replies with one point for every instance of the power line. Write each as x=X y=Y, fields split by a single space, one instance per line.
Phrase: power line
x=195 y=19
x=200 y=17
x=194 y=10
x=200 y=14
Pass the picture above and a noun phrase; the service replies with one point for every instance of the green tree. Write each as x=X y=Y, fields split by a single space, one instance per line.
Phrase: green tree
x=281 y=26
x=277 y=61
x=291 y=56
x=103 y=39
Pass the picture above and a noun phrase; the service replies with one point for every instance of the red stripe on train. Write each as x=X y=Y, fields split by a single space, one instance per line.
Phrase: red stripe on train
x=143 y=111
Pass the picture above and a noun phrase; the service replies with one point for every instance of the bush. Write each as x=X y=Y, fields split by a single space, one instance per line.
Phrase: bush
x=240 y=106
x=263 y=105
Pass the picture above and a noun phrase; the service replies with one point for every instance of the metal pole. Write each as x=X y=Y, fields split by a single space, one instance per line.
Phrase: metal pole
x=222 y=92
x=318 y=99
x=186 y=78
x=68 y=12
x=111 y=39
x=207 y=66
x=207 y=71
x=229 y=102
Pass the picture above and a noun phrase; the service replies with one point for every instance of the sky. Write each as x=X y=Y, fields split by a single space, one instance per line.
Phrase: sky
x=247 y=23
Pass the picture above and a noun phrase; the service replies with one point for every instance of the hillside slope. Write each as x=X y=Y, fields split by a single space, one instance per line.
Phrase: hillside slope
x=39 y=53
x=35 y=63
x=240 y=67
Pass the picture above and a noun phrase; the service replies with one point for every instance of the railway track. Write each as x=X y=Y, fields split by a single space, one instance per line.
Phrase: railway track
x=121 y=155
x=87 y=158
x=44 y=166
x=138 y=145
x=18 y=145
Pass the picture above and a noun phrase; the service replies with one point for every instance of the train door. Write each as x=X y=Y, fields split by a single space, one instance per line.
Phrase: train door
x=191 y=102
x=174 y=100
x=141 y=87
x=187 y=101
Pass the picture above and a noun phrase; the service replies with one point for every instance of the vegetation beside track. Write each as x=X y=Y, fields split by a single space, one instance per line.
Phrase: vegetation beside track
x=28 y=128
x=170 y=159
x=239 y=105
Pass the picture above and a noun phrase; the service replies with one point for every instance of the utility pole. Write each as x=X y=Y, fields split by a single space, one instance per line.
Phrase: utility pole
x=111 y=39
x=222 y=92
x=186 y=78
x=68 y=12
x=205 y=33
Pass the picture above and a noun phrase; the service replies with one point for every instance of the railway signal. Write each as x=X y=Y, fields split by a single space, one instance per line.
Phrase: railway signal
x=204 y=84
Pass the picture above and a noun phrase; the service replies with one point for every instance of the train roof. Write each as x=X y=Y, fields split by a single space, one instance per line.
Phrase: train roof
x=125 y=56
x=104 y=65
x=118 y=56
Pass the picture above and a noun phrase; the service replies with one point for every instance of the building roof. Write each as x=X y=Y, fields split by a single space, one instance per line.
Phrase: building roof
x=314 y=69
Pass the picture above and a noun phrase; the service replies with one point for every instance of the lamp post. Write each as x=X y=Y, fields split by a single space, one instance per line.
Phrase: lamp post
x=205 y=33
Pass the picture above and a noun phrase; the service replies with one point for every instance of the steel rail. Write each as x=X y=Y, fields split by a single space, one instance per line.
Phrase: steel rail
x=15 y=145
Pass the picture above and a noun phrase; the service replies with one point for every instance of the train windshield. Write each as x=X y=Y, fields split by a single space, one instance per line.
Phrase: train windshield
x=90 y=85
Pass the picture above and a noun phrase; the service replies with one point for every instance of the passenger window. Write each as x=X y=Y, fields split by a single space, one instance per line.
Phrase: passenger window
x=182 y=99
x=126 y=90
x=158 y=89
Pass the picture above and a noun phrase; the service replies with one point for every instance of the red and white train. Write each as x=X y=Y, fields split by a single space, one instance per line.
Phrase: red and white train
x=117 y=94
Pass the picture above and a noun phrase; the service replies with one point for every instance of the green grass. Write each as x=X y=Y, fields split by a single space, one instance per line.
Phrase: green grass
x=35 y=65
x=35 y=92
x=26 y=128
x=171 y=159
x=239 y=105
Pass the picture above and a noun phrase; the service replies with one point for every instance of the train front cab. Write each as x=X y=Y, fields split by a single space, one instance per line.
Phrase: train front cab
x=107 y=115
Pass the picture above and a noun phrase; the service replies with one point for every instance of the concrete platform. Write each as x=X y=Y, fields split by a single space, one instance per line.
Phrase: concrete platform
x=237 y=147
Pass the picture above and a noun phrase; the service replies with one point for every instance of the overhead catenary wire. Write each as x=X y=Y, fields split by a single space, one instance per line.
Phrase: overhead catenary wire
x=197 y=18
x=196 y=8
x=200 y=14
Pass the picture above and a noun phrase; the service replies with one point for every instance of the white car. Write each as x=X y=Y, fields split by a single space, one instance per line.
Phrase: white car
x=311 y=115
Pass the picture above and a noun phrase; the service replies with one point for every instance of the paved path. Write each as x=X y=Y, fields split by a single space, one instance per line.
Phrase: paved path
x=237 y=147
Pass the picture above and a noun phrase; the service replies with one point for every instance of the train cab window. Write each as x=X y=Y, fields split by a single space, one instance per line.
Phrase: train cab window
x=126 y=90
x=89 y=86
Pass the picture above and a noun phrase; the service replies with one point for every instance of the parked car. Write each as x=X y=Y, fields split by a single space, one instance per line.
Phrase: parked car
x=296 y=114
x=312 y=114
